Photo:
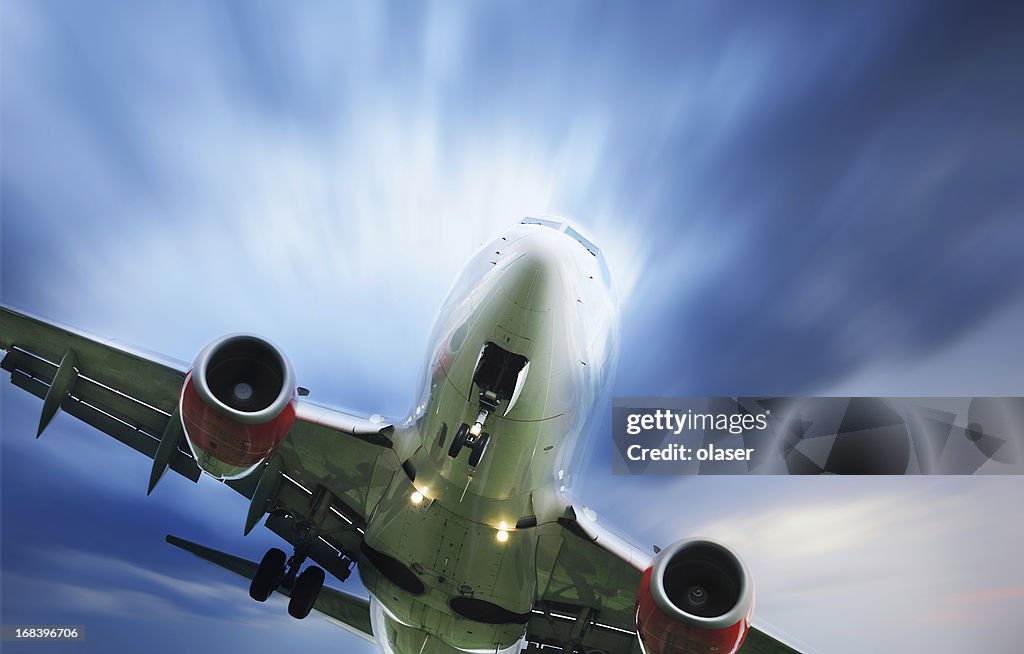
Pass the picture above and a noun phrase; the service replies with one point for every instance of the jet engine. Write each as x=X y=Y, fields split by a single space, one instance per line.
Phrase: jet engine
x=695 y=598
x=237 y=404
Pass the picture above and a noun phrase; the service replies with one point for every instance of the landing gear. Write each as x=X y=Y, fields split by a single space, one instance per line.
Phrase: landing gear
x=273 y=572
x=458 y=440
x=478 y=449
x=306 y=590
x=305 y=532
x=473 y=438
x=268 y=575
x=499 y=375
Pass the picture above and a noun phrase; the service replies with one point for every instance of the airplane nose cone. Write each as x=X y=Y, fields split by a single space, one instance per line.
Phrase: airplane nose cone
x=532 y=280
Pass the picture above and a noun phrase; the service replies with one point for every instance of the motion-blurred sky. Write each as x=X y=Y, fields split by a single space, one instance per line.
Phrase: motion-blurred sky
x=794 y=197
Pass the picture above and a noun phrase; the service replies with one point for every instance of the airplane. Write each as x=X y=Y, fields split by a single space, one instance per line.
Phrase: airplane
x=457 y=516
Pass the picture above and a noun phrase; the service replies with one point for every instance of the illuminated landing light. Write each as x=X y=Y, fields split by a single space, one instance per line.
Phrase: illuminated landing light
x=502 y=534
x=416 y=498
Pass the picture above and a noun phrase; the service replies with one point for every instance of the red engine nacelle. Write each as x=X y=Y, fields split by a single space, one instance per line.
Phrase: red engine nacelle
x=237 y=404
x=695 y=598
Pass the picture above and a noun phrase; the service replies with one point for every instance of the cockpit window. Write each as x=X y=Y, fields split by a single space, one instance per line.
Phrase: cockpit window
x=553 y=224
x=569 y=231
x=562 y=227
x=593 y=249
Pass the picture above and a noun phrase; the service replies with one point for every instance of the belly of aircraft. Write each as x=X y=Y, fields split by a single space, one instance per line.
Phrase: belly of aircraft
x=395 y=637
x=442 y=574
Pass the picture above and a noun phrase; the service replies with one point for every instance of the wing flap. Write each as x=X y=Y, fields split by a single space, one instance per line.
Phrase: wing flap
x=588 y=599
x=554 y=626
x=144 y=438
x=150 y=379
x=124 y=407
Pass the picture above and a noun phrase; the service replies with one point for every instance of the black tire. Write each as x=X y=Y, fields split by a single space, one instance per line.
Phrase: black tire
x=479 y=449
x=307 y=589
x=268 y=574
x=458 y=440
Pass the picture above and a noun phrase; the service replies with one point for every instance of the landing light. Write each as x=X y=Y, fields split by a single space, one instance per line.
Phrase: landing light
x=416 y=498
x=502 y=534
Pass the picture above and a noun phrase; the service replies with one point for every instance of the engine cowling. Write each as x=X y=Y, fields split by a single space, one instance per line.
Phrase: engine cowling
x=695 y=598
x=237 y=404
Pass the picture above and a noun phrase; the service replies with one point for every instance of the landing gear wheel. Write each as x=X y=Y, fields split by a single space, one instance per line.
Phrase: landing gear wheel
x=458 y=440
x=478 y=449
x=269 y=572
x=307 y=589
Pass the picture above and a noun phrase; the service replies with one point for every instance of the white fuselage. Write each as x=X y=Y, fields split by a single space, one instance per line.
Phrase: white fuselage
x=540 y=291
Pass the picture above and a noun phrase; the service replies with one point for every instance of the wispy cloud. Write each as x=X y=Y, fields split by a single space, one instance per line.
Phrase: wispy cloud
x=106 y=566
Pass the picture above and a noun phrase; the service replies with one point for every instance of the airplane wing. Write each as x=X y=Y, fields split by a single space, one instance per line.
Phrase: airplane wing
x=331 y=464
x=589 y=592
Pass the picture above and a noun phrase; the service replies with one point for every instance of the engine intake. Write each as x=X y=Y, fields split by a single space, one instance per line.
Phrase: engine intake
x=245 y=376
x=237 y=404
x=696 y=597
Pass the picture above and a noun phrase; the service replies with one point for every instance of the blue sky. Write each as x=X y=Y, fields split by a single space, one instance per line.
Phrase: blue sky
x=794 y=198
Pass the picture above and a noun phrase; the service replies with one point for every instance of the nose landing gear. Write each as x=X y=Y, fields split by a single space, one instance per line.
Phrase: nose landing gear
x=472 y=437
x=499 y=376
